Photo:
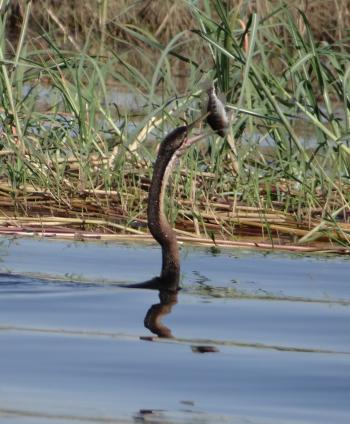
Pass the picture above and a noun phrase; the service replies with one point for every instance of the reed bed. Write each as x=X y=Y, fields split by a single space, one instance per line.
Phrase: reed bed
x=77 y=164
x=102 y=20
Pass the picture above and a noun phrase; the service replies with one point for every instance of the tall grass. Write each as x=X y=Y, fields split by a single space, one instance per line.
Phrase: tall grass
x=282 y=172
x=308 y=91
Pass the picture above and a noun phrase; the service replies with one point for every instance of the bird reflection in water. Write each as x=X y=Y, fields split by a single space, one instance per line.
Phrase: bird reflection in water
x=157 y=311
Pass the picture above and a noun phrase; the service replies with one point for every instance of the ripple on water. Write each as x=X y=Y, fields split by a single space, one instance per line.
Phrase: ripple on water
x=72 y=346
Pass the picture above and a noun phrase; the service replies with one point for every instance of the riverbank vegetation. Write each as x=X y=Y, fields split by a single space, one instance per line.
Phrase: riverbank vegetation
x=87 y=94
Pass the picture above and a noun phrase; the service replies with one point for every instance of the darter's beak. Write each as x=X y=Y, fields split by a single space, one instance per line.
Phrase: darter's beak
x=196 y=138
x=189 y=141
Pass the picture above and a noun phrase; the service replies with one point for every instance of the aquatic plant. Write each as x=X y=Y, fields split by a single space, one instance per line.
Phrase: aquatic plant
x=81 y=162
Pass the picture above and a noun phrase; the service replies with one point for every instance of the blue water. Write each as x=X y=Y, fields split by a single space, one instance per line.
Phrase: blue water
x=74 y=347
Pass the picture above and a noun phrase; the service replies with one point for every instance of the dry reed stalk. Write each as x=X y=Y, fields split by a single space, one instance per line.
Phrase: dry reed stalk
x=166 y=19
x=78 y=235
x=151 y=124
x=194 y=207
x=63 y=28
x=229 y=205
x=193 y=240
x=275 y=227
x=242 y=215
x=199 y=174
x=95 y=208
x=67 y=221
x=103 y=193
x=262 y=245
x=318 y=229
x=7 y=152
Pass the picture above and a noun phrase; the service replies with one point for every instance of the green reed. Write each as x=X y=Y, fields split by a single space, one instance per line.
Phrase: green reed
x=279 y=81
x=283 y=85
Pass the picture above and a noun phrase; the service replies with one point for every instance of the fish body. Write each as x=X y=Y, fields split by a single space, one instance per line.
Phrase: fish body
x=217 y=118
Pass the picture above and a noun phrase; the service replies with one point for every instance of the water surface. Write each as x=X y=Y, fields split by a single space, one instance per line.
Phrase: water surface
x=74 y=345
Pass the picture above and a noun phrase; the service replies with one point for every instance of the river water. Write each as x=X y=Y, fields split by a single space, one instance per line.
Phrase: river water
x=255 y=337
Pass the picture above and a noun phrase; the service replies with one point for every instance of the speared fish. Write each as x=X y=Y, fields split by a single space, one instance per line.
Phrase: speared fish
x=217 y=118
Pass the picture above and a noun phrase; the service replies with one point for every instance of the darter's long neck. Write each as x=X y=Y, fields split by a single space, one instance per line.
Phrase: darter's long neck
x=157 y=222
